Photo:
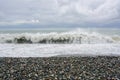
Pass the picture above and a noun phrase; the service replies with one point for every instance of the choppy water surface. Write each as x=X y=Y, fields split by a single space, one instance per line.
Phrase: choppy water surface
x=53 y=42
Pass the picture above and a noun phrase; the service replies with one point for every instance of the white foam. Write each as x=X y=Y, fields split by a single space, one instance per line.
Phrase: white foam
x=86 y=37
x=47 y=50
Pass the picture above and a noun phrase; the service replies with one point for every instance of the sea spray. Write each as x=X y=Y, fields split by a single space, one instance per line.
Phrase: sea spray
x=77 y=36
x=62 y=38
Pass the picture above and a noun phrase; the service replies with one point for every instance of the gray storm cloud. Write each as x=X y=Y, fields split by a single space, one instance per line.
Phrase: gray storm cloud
x=58 y=11
x=98 y=10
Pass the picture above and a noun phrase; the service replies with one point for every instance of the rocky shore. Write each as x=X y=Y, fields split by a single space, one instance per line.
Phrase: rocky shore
x=60 y=68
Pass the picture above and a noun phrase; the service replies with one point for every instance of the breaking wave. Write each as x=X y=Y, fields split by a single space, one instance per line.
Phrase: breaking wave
x=77 y=36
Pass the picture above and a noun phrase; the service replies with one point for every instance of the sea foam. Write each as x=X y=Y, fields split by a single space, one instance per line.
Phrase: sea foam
x=48 y=50
x=77 y=36
x=78 y=42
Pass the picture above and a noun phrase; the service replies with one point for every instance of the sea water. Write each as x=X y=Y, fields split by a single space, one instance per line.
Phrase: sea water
x=59 y=41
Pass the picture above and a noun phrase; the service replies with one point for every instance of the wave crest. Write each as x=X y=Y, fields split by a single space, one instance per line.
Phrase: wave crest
x=54 y=37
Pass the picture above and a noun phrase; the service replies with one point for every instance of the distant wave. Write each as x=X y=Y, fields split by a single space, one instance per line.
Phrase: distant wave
x=77 y=36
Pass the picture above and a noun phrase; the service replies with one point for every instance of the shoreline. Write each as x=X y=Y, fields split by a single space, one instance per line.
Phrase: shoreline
x=59 y=68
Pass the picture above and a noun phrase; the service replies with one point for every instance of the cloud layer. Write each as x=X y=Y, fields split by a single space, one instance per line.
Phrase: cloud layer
x=59 y=11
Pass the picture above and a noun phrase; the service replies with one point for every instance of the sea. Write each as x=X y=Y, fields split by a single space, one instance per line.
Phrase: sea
x=50 y=42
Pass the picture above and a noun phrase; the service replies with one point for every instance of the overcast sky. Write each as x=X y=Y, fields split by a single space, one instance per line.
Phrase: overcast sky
x=60 y=12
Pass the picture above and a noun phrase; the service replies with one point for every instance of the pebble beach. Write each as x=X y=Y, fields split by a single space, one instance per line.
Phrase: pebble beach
x=60 y=68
